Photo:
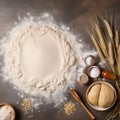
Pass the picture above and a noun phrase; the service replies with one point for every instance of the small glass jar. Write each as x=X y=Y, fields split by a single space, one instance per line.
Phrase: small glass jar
x=108 y=75
x=94 y=71
x=83 y=79
x=90 y=60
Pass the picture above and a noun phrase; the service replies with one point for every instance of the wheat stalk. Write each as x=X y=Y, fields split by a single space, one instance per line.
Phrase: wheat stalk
x=97 y=47
x=110 y=34
x=108 y=28
x=101 y=40
x=113 y=54
x=116 y=39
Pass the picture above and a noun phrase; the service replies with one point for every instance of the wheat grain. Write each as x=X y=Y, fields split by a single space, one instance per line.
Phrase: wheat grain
x=69 y=108
x=116 y=39
x=101 y=40
x=97 y=47
x=108 y=28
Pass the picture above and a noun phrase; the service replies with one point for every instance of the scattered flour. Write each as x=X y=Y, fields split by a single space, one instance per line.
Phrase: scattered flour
x=40 y=60
x=6 y=113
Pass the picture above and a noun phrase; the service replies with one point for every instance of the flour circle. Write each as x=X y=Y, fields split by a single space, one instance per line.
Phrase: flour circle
x=40 y=59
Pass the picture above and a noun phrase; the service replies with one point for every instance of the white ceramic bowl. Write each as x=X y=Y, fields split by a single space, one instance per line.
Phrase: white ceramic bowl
x=12 y=109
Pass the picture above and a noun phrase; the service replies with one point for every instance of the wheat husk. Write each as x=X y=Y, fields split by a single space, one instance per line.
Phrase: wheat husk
x=110 y=33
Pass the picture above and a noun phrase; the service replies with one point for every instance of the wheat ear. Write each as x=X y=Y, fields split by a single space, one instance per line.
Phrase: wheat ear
x=101 y=40
x=111 y=56
x=97 y=47
x=119 y=60
x=108 y=28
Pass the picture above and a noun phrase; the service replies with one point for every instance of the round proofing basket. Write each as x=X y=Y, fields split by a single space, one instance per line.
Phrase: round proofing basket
x=12 y=109
x=97 y=107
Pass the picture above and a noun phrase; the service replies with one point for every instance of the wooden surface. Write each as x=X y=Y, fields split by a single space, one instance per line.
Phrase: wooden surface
x=75 y=13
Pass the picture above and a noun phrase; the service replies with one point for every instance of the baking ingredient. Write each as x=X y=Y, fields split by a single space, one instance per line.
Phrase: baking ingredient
x=94 y=72
x=26 y=105
x=83 y=79
x=112 y=54
x=6 y=113
x=40 y=60
x=108 y=75
x=69 y=108
x=93 y=94
x=90 y=60
x=101 y=95
x=106 y=96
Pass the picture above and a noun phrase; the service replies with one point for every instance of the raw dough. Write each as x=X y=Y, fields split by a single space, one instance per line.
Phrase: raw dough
x=106 y=96
x=101 y=95
x=93 y=95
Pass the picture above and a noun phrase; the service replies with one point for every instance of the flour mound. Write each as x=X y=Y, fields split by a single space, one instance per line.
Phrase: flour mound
x=40 y=59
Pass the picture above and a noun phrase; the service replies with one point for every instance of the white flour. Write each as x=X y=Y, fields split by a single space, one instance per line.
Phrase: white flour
x=94 y=72
x=6 y=113
x=41 y=60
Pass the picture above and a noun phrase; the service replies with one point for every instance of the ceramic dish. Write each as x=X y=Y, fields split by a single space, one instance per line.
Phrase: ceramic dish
x=97 y=107
x=94 y=71
x=12 y=109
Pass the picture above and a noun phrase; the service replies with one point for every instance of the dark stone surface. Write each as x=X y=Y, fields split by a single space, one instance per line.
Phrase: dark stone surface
x=75 y=13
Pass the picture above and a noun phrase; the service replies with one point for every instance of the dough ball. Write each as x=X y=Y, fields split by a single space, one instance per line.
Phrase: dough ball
x=93 y=94
x=106 y=97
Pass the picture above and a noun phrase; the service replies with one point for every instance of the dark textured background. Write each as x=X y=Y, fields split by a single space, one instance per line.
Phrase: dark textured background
x=75 y=13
